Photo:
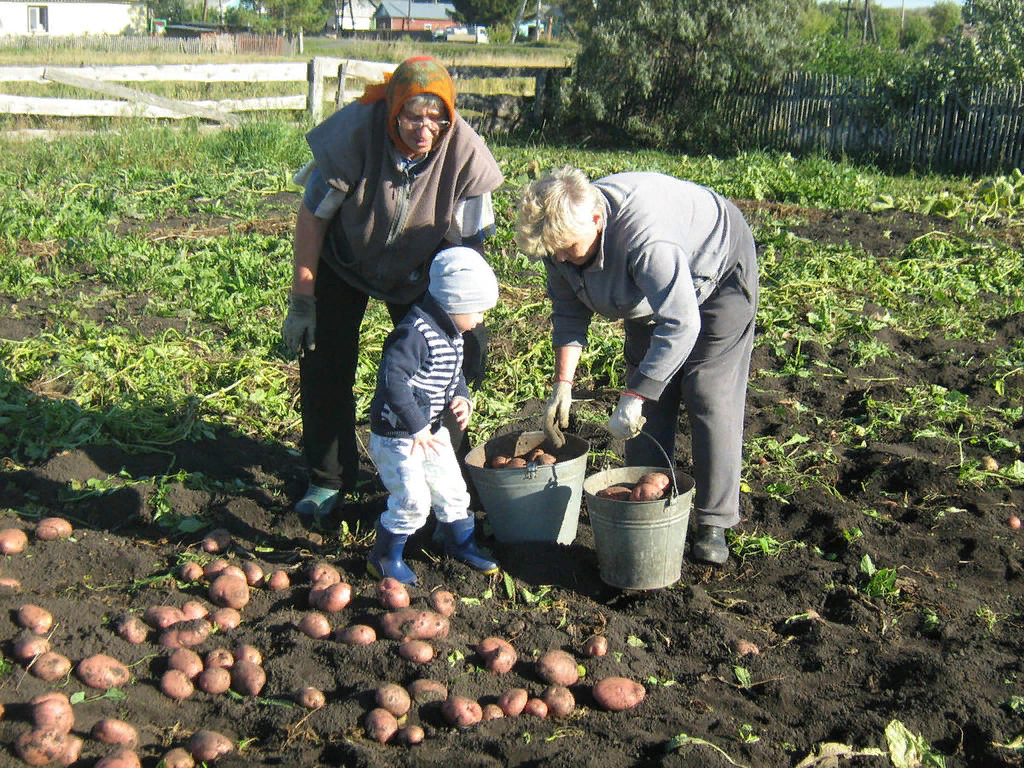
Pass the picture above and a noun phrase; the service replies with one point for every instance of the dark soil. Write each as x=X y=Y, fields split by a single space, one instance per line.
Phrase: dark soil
x=834 y=664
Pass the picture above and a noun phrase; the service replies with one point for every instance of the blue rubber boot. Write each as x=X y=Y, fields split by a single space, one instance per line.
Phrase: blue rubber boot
x=317 y=503
x=460 y=543
x=386 y=557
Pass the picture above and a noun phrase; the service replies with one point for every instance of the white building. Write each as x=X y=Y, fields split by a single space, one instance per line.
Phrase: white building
x=354 y=14
x=72 y=18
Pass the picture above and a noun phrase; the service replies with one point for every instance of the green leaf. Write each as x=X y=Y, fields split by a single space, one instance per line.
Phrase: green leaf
x=907 y=750
x=77 y=697
x=510 y=586
x=635 y=642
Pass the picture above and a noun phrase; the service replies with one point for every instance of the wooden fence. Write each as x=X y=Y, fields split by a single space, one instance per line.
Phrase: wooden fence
x=489 y=113
x=271 y=45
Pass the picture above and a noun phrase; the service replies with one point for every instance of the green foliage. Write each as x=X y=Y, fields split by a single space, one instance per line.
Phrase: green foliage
x=487 y=12
x=270 y=16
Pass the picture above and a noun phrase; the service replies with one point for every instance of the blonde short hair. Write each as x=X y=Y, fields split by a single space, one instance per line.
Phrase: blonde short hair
x=553 y=209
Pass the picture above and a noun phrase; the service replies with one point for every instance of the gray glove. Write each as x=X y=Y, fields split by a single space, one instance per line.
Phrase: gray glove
x=299 y=329
x=556 y=414
x=628 y=419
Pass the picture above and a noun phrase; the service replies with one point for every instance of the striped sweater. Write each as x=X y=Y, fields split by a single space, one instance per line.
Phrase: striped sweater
x=420 y=372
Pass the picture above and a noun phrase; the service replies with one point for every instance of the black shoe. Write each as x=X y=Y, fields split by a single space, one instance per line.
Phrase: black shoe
x=709 y=545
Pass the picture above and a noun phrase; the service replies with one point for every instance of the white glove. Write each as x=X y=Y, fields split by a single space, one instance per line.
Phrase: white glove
x=556 y=414
x=299 y=329
x=627 y=420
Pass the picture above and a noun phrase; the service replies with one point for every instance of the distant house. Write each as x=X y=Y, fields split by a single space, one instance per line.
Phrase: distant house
x=409 y=16
x=72 y=18
x=354 y=14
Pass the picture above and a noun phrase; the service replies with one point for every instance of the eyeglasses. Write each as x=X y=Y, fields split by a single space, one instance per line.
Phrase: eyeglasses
x=433 y=124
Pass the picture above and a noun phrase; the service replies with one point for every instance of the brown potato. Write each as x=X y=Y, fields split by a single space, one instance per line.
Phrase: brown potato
x=50 y=666
x=596 y=645
x=491 y=711
x=536 y=707
x=392 y=594
x=162 y=616
x=513 y=700
x=247 y=678
x=35 y=619
x=229 y=590
x=517 y=462
x=559 y=700
x=409 y=735
x=191 y=571
x=417 y=651
x=233 y=570
x=499 y=462
x=111 y=731
x=186 y=633
x=616 y=492
x=424 y=691
x=53 y=528
x=381 y=725
x=214 y=680
x=12 y=541
x=443 y=602
x=618 y=693
x=226 y=618
x=27 y=645
x=324 y=573
x=131 y=629
x=253 y=573
x=315 y=625
x=207 y=746
x=177 y=758
x=546 y=459
x=498 y=654
x=461 y=711
x=659 y=480
x=413 y=624
x=216 y=540
x=39 y=747
x=356 y=634
x=218 y=657
x=645 y=492
x=6 y=582
x=557 y=668
x=214 y=568
x=52 y=712
x=176 y=685
x=122 y=757
x=310 y=697
x=186 y=660
x=102 y=671
x=394 y=698
x=331 y=598
x=277 y=581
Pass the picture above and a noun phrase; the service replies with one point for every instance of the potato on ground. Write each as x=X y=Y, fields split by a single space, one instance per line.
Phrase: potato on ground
x=53 y=528
x=558 y=668
x=513 y=700
x=314 y=624
x=216 y=540
x=247 y=678
x=324 y=573
x=28 y=645
x=498 y=654
x=35 y=619
x=218 y=657
x=253 y=573
x=178 y=757
x=123 y=757
x=187 y=661
x=131 y=629
x=416 y=651
x=52 y=712
x=381 y=725
x=596 y=645
x=207 y=746
x=442 y=601
x=461 y=711
x=409 y=735
x=194 y=609
x=111 y=731
x=186 y=634
x=12 y=541
x=559 y=700
x=356 y=634
x=191 y=571
x=310 y=697
x=394 y=698
x=50 y=666
x=37 y=747
x=176 y=685
x=330 y=597
x=424 y=690
x=102 y=671
x=392 y=594
x=215 y=680
x=618 y=693
x=536 y=707
x=163 y=616
x=277 y=581
x=492 y=711
x=249 y=653
x=414 y=624
x=226 y=618
x=229 y=590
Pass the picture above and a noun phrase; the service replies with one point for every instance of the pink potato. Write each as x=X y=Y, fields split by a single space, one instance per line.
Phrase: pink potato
x=498 y=654
x=442 y=601
x=310 y=697
x=492 y=711
x=176 y=685
x=356 y=634
x=218 y=657
x=102 y=671
x=536 y=707
x=277 y=581
x=39 y=747
x=414 y=624
x=247 y=678
x=596 y=645
x=122 y=757
x=12 y=541
x=394 y=698
x=186 y=660
x=194 y=609
x=191 y=571
x=226 y=618
x=381 y=725
x=513 y=700
x=131 y=629
x=557 y=668
x=618 y=693
x=27 y=645
x=416 y=651
x=214 y=568
x=6 y=582
x=559 y=700
x=163 y=616
x=331 y=598
x=659 y=480
x=324 y=574
x=461 y=711
x=50 y=666
x=248 y=653
x=215 y=680
x=186 y=633
x=315 y=625
x=392 y=594
x=178 y=757
x=216 y=541
x=424 y=691
x=53 y=528
x=410 y=735
x=253 y=573
x=111 y=731
x=645 y=492
x=615 y=492
x=229 y=590
x=52 y=712
x=207 y=746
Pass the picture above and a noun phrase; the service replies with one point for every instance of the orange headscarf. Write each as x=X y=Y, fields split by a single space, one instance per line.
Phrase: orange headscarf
x=420 y=74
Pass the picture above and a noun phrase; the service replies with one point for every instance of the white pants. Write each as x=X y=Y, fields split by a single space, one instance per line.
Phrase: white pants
x=418 y=482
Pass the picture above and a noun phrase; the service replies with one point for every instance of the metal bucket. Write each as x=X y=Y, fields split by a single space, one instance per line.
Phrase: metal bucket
x=639 y=544
x=539 y=502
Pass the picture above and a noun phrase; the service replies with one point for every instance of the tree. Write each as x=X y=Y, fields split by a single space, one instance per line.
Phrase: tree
x=946 y=18
x=997 y=48
x=487 y=12
x=652 y=68
x=285 y=15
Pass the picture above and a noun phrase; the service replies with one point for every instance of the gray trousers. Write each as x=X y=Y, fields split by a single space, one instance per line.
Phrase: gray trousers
x=712 y=384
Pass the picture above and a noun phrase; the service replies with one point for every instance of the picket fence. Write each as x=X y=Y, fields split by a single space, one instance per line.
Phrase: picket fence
x=206 y=44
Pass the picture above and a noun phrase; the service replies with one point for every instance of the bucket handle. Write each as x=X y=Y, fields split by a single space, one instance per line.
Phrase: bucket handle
x=668 y=463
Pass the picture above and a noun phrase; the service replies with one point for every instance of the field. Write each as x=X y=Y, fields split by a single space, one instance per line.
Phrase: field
x=872 y=608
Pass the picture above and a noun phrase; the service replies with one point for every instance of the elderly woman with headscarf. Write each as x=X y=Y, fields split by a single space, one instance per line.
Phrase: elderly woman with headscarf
x=676 y=262
x=396 y=177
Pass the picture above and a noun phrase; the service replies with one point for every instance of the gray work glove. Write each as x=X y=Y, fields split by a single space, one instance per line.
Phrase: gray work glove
x=627 y=420
x=556 y=414
x=299 y=329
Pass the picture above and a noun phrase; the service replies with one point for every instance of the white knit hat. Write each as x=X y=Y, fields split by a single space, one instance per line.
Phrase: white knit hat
x=462 y=282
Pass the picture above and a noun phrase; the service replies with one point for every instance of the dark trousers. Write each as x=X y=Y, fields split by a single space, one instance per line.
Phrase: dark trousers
x=327 y=378
x=712 y=384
